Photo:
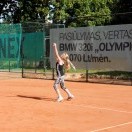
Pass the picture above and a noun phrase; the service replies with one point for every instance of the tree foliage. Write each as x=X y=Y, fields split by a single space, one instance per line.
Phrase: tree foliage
x=8 y=9
x=34 y=10
x=17 y=11
x=82 y=12
x=69 y=12
x=122 y=12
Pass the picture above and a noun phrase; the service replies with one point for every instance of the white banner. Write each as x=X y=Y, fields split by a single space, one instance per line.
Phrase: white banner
x=100 y=47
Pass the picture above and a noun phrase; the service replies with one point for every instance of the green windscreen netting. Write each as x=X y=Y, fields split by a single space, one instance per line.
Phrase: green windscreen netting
x=33 y=47
x=10 y=41
x=33 y=50
x=21 y=45
x=25 y=48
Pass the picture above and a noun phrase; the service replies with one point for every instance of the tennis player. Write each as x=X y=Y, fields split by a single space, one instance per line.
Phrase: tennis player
x=62 y=62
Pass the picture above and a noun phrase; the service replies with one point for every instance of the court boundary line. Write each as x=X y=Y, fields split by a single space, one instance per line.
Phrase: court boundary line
x=106 y=128
x=108 y=109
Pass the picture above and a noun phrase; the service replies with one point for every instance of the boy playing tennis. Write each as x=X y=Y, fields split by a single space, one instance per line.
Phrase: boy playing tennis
x=62 y=62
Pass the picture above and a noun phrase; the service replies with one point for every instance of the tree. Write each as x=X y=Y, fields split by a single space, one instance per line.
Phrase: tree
x=17 y=11
x=82 y=12
x=34 y=10
x=75 y=13
x=122 y=12
x=8 y=9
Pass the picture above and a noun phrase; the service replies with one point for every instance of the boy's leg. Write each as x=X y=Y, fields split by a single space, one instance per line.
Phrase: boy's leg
x=60 y=98
x=62 y=84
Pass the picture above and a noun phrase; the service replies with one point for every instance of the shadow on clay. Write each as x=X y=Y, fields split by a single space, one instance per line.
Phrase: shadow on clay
x=37 y=98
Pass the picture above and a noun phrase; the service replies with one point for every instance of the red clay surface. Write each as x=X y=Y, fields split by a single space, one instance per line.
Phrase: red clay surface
x=29 y=105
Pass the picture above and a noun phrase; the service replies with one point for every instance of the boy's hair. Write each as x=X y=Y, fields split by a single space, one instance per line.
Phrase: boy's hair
x=65 y=57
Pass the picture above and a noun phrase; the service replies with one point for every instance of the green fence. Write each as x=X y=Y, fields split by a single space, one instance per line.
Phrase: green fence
x=25 y=48
x=21 y=46
x=33 y=48
x=10 y=43
x=36 y=49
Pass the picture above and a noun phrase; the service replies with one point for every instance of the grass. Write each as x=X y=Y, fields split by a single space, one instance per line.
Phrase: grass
x=91 y=73
x=104 y=74
x=111 y=74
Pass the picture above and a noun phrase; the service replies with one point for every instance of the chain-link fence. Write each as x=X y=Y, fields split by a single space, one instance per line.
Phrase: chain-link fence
x=10 y=42
x=27 y=48
x=36 y=50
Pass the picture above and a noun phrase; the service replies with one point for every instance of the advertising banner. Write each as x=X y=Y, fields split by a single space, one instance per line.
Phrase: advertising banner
x=100 y=47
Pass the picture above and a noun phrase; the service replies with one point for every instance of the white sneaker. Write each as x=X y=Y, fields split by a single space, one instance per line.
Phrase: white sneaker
x=60 y=99
x=70 y=97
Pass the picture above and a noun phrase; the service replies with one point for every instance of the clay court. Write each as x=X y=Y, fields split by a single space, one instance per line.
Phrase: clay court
x=29 y=105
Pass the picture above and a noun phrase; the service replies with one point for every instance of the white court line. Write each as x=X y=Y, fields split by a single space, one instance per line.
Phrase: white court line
x=94 y=107
x=106 y=128
x=108 y=109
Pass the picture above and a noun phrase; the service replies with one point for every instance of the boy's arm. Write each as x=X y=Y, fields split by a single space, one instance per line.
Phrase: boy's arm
x=72 y=65
x=56 y=51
